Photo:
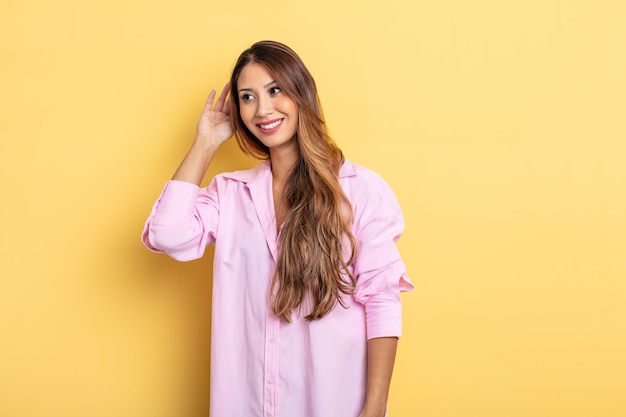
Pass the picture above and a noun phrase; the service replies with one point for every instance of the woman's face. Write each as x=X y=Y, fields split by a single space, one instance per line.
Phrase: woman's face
x=269 y=113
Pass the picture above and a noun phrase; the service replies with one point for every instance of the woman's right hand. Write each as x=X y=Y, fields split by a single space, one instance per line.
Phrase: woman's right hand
x=214 y=124
x=213 y=130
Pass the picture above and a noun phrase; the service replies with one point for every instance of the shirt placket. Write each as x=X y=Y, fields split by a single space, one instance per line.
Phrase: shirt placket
x=270 y=381
x=263 y=202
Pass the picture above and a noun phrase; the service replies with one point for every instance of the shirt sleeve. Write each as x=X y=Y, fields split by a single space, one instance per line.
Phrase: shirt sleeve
x=379 y=270
x=183 y=221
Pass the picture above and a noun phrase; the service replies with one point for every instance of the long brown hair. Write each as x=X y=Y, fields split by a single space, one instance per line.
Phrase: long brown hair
x=316 y=246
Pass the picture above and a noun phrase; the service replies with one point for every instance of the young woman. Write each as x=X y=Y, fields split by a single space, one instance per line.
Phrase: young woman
x=307 y=276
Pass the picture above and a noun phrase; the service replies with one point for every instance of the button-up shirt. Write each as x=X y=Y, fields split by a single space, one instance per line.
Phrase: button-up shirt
x=262 y=366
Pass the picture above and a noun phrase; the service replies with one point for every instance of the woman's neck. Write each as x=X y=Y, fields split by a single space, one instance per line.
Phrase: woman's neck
x=282 y=161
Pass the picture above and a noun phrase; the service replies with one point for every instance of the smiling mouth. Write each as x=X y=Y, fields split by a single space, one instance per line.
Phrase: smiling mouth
x=270 y=125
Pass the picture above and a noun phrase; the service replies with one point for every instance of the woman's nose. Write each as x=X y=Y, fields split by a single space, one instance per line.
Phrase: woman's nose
x=264 y=107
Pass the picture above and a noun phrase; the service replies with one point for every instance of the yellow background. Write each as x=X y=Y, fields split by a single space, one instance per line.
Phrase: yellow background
x=500 y=125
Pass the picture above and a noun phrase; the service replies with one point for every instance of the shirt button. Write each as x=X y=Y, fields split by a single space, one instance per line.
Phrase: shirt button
x=271 y=341
x=270 y=381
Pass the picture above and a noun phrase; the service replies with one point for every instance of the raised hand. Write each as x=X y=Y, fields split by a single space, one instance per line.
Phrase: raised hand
x=214 y=124
x=213 y=130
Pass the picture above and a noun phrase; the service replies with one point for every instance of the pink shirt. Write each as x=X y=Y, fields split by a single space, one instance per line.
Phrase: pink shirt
x=260 y=365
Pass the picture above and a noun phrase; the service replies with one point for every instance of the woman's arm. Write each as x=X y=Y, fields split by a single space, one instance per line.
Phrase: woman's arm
x=213 y=129
x=381 y=354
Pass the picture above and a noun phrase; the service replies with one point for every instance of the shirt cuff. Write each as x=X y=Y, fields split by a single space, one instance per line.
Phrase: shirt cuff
x=177 y=197
x=383 y=316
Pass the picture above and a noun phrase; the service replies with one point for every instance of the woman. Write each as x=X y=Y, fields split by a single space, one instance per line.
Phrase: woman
x=307 y=276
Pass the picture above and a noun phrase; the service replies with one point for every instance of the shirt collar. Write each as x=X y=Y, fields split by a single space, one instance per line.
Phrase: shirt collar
x=250 y=175
x=348 y=169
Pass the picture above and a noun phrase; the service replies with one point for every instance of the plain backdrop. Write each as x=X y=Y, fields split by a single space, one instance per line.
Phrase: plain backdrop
x=499 y=124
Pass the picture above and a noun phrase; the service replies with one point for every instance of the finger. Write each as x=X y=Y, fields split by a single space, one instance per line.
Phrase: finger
x=209 y=101
x=219 y=105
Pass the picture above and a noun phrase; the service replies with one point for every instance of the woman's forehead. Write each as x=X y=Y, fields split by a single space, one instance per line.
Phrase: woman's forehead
x=254 y=75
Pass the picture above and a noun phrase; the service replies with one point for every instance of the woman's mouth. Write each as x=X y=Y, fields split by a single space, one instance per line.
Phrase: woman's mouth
x=271 y=126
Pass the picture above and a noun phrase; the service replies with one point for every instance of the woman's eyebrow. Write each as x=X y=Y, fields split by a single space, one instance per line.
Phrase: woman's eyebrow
x=250 y=89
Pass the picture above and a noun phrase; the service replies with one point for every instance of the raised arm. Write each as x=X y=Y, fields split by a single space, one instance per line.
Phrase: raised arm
x=213 y=130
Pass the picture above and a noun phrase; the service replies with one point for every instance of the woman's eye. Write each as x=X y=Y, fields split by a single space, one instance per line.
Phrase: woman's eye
x=274 y=90
x=246 y=97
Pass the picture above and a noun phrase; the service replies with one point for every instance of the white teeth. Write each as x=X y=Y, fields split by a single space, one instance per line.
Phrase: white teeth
x=271 y=125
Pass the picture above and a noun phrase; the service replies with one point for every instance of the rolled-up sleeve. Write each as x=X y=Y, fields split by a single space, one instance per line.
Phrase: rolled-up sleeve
x=183 y=220
x=379 y=269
